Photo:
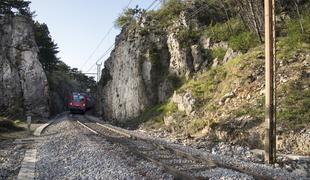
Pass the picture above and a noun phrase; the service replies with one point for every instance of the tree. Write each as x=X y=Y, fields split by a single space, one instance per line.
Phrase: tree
x=47 y=48
x=127 y=16
x=15 y=7
x=251 y=13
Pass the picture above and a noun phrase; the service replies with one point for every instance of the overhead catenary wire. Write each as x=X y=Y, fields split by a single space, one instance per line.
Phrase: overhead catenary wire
x=97 y=47
x=102 y=56
x=100 y=43
x=197 y=11
x=149 y=7
x=110 y=48
x=156 y=5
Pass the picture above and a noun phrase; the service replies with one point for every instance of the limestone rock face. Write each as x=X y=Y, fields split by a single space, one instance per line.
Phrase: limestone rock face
x=134 y=76
x=185 y=102
x=230 y=54
x=23 y=83
x=197 y=57
x=181 y=60
x=144 y=69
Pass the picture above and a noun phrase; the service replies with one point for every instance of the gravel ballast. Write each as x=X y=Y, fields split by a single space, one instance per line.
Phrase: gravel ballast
x=70 y=151
x=287 y=168
x=11 y=156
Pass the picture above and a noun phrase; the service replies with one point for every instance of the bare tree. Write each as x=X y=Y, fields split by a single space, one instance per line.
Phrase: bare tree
x=251 y=13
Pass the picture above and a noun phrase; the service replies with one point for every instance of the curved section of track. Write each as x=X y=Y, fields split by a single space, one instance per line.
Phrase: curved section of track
x=181 y=165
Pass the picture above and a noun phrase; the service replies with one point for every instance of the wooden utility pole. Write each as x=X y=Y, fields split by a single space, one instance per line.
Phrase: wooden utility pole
x=270 y=136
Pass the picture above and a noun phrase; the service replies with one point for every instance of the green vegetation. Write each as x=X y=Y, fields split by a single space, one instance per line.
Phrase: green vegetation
x=9 y=126
x=154 y=116
x=219 y=53
x=243 y=41
x=196 y=125
x=294 y=113
x=238 y=36
x=53 y=66
x=187 y=37
x=129 y=15
x=206 y=85
x=167 y=13
x=224 y=31
x=48 y=48
x=293 y=37
x=10 y=7
x=62 y=79
x=254 y=110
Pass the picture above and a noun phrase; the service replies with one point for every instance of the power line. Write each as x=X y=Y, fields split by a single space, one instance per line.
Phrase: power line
x=159 y=2
x=100 y=43
x=197 y=11
x=98 y=46
x=101 y=57
x=151 y=5
x=128 y=4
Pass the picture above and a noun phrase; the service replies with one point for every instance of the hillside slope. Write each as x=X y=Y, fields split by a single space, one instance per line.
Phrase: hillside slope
x=213 y=74
x=229 y=104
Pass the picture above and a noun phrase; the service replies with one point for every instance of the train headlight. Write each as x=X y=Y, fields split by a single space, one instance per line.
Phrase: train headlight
x=83 y=105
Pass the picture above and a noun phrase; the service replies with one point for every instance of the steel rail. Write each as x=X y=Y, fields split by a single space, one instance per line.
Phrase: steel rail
x=207 y=161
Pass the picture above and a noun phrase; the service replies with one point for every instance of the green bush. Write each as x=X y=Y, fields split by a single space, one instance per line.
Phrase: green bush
x=219 y=53
x=292 y=38
x=8 y=126
x=188 y=37
x=154 y=115
x=235 y=33
x=293 y=112
x=127 y=16
x=243 y=41
x=168 y=13
x=292 y=31
x=224 y=31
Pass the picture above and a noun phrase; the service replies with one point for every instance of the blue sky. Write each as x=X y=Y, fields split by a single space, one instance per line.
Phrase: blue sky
x=77 y=26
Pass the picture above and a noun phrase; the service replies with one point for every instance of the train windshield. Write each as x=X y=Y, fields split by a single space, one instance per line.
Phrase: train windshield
x=78 y=98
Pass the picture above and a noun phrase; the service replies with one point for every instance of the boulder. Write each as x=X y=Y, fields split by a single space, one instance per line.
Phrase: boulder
x=230 y=54
x=215 y=62
x=169 y=120
x=184 y=101
x=227 y=96
x=197 y=57
x=205 y=42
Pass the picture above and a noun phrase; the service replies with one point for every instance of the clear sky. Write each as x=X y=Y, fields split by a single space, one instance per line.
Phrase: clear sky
x=77 y=26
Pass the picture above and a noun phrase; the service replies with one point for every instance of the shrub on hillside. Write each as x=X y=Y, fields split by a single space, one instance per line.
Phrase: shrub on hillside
x=243 y=41
x=297 y=31
x=168 y=13
x=224 y=31
x=129 y=15
x=188 y=37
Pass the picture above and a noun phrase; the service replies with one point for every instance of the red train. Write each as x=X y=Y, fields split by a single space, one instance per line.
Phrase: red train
x=80 y=102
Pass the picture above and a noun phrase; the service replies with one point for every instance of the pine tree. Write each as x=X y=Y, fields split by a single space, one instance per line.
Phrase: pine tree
x=47 y=48
x=17 y=7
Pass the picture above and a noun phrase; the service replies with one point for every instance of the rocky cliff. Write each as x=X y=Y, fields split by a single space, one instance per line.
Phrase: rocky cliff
x=144 y=68
x=219 y=72
x=23 y=83
x=134 y=75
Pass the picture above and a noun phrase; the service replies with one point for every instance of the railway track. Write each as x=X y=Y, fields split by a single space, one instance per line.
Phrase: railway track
x=181 y=165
